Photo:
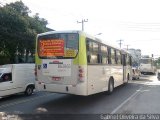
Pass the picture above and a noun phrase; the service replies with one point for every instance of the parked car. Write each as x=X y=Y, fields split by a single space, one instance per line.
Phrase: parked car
x=17 y=78
x=135 y=73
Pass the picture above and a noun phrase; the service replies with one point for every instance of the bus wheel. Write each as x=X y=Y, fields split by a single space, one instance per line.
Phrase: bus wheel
x=110 y=86
x=128 y=78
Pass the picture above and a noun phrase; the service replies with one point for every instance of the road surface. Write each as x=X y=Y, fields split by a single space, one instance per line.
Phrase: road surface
x=137 y=97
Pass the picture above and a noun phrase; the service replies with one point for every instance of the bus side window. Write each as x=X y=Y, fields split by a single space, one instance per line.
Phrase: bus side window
x=109 y=56
x=130 y=60
x=118 y=57
x=124 y=60
x=113 y=57
x=89 y=48
x=99 y=55
x=99 y=58
x=104 y=54
x=88 y=58
x=87 y=45
x=94 y=59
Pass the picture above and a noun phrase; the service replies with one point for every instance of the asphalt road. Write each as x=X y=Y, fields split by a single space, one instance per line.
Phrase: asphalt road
x=138 y=96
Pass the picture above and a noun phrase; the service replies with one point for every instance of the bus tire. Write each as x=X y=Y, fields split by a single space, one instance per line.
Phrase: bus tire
x=128 y=78
x=110 y=86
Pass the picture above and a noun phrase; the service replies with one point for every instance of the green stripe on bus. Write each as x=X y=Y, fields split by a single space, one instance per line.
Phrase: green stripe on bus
x=81 y=59
x=38 y=60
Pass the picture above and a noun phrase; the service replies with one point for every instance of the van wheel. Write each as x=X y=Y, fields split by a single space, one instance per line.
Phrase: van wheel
x=110 y=86
x=29 y=90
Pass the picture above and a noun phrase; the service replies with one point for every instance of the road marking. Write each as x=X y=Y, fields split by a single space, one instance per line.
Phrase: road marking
x=27 y=100
x=123 y=103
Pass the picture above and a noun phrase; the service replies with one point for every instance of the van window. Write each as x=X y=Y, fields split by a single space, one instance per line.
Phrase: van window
x=6 y=77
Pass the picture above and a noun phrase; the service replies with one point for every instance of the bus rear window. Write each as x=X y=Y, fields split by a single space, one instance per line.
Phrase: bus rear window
x=145 y=61
x=59 y=45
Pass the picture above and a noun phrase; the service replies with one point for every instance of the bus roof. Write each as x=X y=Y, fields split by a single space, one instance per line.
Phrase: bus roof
x=146 y=58
x=65 y=31
x=85 y=34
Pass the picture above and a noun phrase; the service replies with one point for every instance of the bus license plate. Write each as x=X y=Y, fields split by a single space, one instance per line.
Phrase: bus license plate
x=56 y=78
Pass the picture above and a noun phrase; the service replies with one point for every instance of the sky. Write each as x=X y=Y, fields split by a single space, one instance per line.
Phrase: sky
x=135 y=22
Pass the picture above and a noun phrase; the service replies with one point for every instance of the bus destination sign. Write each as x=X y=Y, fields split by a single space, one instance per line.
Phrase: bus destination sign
x=51 y=48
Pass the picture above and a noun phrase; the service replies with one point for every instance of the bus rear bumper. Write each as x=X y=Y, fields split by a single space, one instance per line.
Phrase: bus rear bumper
x=79 y=89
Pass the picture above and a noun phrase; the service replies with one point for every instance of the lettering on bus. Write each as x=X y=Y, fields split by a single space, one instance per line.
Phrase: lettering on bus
x=64 y=65
x=51 y=48
x=70 y=53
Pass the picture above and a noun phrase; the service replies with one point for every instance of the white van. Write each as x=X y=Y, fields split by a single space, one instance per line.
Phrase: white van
x=17 y=78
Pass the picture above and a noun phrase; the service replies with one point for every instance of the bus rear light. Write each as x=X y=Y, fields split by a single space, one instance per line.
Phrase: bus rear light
x=81 y=79
x=81 y=71
x=81 y=74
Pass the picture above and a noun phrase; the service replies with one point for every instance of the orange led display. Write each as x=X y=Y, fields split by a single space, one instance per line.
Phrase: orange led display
x=51 y=48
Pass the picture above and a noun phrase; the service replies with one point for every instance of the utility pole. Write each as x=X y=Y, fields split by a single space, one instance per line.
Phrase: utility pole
x=127 y=46
x=120 y=43
x=82 y=22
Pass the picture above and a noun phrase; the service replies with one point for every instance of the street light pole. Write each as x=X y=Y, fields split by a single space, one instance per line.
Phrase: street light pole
x=82 y=22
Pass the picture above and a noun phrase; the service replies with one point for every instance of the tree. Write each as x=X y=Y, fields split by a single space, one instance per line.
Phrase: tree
x=18 y=31
x=19 y=7
x=12 y=27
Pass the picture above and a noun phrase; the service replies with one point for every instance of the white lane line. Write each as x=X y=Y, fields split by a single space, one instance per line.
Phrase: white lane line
x=23 y=101
x=123 y=103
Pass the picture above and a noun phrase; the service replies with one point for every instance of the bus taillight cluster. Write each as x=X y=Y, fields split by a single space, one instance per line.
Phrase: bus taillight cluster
x=81 y=74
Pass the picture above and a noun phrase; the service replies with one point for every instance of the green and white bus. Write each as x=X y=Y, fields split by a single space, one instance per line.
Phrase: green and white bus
x=74 y=62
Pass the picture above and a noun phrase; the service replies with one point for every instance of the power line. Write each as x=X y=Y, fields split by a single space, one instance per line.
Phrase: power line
x=82 y=22
x=150 y=27
x=147 y=40
x=140 y=23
